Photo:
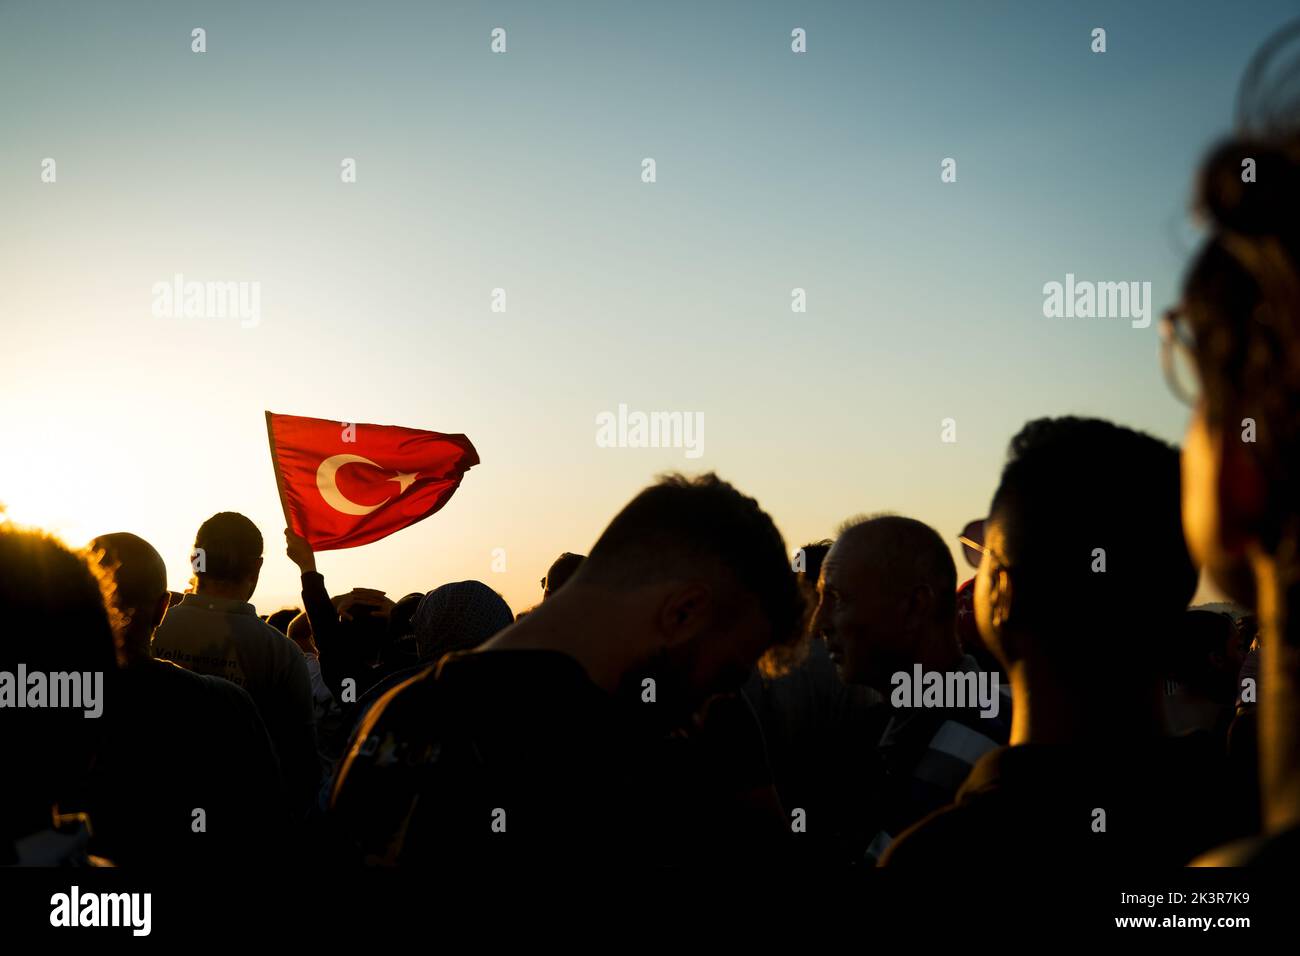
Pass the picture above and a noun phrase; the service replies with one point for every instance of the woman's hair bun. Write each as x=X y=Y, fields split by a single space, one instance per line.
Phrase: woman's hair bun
x=1267 y=201
x=1250 y=184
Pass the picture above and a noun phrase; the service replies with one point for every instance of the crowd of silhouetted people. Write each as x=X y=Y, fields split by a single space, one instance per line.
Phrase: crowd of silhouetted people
x=692 y=691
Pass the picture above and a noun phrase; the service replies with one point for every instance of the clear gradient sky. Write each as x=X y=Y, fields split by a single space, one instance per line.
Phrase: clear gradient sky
x=522 y=171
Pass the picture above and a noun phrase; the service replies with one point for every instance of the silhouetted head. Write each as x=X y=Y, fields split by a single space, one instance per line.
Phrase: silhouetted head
x=1205 y=655
x=887 y=598
x=809 y=571
x=53 y=618
x=702 y=580
x=280 y=619
x=561 y=570
x=139 y=588
x=401 y=620
x=458 y=617
x=363 y=622
x=227 y=556
x=299 y=631
x=1085 y=565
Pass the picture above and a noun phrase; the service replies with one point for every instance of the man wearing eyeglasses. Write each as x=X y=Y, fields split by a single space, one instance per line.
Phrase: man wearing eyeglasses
x=1083 y=572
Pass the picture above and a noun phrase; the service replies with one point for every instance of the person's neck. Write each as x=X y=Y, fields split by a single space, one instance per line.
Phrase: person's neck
x=585 y=625
x=939 y=651
x=137 y=647
x=228 y=590
x=932 y=651
x=1047 y=710
x=1277 y=586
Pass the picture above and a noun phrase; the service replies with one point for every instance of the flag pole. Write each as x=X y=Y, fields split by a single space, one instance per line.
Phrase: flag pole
x=279 y=478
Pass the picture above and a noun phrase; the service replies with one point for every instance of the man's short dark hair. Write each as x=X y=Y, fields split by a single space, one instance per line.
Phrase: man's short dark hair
x=281 y=619
x=230 y=547
x=561 y=570
x=814 y=553
x=1072 y=486
x=681 y=521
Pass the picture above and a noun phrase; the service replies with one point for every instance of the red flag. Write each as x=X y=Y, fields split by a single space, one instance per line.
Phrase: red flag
x=347 y=485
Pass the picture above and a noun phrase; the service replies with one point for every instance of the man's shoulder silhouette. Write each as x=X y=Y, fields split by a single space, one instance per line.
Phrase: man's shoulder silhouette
x=480 y=753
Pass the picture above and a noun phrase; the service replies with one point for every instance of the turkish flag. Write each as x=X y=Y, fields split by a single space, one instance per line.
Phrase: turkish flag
x=344 y=485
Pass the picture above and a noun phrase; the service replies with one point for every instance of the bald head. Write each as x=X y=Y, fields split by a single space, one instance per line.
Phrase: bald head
x=904 y=553
x=887 y=599
x=140 y=586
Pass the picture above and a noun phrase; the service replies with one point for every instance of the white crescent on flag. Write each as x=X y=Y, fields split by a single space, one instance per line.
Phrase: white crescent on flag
x=329 y=490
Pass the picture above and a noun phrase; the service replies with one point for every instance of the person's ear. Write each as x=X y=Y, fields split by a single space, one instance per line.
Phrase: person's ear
x=683 y=612
x=1242 y=492
x=1001 y=613
x=159 y=610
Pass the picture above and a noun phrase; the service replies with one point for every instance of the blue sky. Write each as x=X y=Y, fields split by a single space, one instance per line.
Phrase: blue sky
x=521 y=171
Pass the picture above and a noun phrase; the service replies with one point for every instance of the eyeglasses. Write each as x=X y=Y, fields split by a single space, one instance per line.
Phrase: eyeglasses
x=974 y=548
x=972 y=542
x=1178 y=357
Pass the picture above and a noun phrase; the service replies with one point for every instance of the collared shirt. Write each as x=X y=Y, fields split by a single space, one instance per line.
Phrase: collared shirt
x=225 y=638
x=926 y=755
